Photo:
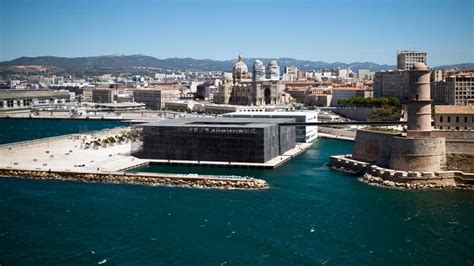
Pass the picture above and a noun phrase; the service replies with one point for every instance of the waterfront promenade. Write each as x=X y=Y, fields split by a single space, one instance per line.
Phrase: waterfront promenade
x=336 y=133
x=65 y=153
x=142 y=115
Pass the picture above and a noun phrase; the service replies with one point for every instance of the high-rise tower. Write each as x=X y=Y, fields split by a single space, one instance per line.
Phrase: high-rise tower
x=407 y=59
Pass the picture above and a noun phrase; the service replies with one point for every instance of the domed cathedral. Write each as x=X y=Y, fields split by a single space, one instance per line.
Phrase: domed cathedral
x=263 y=88
x=241 y=71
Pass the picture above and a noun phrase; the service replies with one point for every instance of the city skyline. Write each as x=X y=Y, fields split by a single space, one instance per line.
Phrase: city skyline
x=339 y=31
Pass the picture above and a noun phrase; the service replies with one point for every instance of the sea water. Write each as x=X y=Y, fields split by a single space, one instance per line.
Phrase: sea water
x=310 y=215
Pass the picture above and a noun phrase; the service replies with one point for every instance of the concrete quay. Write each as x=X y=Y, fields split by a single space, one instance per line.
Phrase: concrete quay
x=374 y=174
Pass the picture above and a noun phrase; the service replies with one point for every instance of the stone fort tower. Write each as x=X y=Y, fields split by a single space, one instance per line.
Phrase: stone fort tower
x=418 y=150
x=419 y=102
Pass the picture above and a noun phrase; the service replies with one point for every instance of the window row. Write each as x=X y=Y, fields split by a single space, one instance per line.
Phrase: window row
x=456 y=118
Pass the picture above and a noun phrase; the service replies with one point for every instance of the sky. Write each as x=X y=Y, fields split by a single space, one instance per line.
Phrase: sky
x=319 y=30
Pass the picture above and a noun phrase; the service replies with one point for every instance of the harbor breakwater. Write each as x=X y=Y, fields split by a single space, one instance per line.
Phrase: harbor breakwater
x=152 y=179
x=373 y=174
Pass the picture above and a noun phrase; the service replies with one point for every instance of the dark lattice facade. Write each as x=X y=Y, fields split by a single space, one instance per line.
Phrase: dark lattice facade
x=216 y=139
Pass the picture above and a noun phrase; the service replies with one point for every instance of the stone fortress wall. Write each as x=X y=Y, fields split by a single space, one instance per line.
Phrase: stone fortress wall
x=457 y=141
x=459 y=149
x=417 y=153
x=392 y=151
x=373 y=147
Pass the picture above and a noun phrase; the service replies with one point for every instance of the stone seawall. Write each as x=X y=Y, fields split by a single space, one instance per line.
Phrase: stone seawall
x=142 y=179
x=371 y=173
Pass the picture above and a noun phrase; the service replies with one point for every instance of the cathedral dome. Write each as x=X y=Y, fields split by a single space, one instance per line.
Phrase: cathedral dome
x=240 y=69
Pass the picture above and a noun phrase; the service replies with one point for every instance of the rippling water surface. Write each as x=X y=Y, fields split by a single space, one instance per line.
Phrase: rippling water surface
x=310 y=215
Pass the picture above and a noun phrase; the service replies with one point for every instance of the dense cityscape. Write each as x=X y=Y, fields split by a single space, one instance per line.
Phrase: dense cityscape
x=132 y=159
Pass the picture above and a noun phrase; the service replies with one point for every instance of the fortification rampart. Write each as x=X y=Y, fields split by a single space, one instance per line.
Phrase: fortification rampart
x=426 y=154
x=459 y=149
x=460 y=142
x=453 y=135
x=460 y=161
x=373 y=147
x=391 y=150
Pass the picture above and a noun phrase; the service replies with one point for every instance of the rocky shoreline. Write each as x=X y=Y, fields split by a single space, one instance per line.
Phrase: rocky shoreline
x=374 y=180
x=139 y=179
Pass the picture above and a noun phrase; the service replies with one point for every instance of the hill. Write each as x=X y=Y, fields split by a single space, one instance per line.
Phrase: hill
x=465 y=66
x=110 y=63
x=120 y=62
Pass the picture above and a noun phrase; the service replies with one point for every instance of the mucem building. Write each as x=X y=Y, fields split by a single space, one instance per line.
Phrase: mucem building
x=254 y=140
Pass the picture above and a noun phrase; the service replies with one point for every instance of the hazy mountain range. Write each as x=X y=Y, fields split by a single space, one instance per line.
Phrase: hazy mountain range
x=111 y=63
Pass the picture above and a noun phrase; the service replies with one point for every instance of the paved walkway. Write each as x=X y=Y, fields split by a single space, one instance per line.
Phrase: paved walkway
x=329 y=136
x=65 y=154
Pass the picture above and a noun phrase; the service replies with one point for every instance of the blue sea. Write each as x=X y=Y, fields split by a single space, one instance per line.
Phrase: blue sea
x=310 y=215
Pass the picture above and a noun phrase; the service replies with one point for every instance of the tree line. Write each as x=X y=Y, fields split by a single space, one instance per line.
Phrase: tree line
x=361 y=101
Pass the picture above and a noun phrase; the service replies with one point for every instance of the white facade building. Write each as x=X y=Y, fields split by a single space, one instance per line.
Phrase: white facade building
x=303 y=133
